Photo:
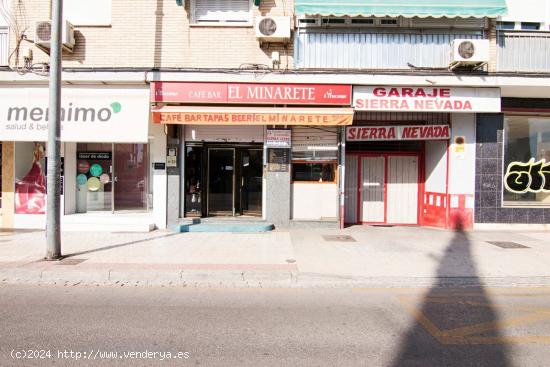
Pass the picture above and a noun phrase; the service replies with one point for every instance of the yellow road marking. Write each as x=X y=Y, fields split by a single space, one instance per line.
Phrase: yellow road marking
x=463 y=335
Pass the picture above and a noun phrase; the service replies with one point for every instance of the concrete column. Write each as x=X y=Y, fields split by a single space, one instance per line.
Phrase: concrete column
x=278 y=199
x=493 y=45
x=173 y=180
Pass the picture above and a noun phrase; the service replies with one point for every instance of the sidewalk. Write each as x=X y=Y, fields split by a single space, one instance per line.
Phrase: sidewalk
x=356 y=256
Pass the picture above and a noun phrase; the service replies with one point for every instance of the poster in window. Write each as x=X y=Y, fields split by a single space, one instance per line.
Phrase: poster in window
x=30 y=191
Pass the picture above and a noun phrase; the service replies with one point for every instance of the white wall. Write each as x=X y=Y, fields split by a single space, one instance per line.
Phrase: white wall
x=157 y=139
x=528 y=11
x=5 y=5
x=314 y=201
x=462 y=165
x=436 y=166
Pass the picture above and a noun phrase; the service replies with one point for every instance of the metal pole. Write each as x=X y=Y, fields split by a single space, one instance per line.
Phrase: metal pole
x=53 y=235
x=342 y=198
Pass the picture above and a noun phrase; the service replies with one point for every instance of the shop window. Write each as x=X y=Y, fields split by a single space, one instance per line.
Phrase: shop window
x=87 y=13
x=220 y=11
x=526 y=161
x=30 y=178
x=324 y=172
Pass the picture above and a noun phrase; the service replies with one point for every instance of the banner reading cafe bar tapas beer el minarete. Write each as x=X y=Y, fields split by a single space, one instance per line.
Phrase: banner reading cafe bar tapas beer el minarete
x=226 y=98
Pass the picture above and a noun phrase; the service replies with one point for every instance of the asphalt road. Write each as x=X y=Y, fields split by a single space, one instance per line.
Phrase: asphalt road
x=88 y=326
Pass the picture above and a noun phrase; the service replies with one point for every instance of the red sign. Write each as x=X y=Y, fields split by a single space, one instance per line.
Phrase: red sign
x=405 y=132
x=251 y=93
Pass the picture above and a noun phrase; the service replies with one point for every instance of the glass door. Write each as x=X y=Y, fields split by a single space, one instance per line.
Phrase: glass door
x=130 y=177
x=94 y=172
x=251 y=172
x=221 y=181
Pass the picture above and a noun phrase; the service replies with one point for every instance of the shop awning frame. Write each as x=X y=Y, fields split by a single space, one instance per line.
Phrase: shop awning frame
x=227 y=116
x=404 y=8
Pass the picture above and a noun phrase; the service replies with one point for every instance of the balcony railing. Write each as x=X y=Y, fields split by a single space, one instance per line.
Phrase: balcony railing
x=4 y=46
x=368 y=49
x=524 y=51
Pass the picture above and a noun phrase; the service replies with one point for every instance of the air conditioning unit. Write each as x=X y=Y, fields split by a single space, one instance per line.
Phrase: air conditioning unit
x=469 y=52
x=273 y=29
x=43 y=35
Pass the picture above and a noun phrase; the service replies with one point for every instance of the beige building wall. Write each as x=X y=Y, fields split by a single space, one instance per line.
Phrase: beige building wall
x=157 y=33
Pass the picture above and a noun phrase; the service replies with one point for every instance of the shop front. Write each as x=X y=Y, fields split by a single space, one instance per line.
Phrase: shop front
x=107 y=149
x=410 y=155
x=513 y=164
x=246 y=147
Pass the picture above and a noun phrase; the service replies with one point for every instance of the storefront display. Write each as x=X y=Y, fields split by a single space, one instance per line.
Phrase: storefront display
x=104 y=145
x=30 y=189
x=243 y=139
x=526 y=161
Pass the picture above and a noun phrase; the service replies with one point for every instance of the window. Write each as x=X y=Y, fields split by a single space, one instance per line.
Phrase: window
x=221 y=11
x=530 y=26
x=324 y=172
x=506 y=25
x=4 y=38
x=526 y=161
x=88 y=13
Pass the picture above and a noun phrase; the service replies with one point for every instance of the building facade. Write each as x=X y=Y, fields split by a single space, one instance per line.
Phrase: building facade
x=296 y=113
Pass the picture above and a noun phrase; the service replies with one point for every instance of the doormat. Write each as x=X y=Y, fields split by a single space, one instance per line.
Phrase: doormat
x=382 y=225
x=506 y=244
x=338 y=238
x=71 y=261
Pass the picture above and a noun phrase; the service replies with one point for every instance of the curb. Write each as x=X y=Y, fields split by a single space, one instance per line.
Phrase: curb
x=248 y=278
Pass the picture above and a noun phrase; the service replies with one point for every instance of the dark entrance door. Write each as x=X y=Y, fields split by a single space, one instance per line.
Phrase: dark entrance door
x=250 y=180
x=221 y=181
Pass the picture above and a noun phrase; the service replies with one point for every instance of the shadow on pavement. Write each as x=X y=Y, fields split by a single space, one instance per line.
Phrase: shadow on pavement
x=453 y=326
x=106 y=248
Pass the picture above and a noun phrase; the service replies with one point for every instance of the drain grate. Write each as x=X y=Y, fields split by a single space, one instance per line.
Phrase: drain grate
x=339 y=238
x=71 y=261
x=507 y=244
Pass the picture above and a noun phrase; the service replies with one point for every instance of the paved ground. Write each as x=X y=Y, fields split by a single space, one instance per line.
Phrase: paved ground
x=361 y=255
x=275 y=327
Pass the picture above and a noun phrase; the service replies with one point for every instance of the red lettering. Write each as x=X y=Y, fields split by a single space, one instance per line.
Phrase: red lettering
x=467 y=106
x=394 y=92
x=391 y=133
x=379 y=92
x=445 y=93
x=407 y=92
x=420 y=93
x=382 y=133
x=351 y=133
x=373 y=133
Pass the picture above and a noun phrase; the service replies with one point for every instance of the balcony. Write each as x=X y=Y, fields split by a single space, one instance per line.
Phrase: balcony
x=349 y=48
x=523 y=51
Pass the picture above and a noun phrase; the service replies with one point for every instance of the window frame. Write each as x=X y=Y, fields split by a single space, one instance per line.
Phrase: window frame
x=507 y=203
x=334 y=172
x=221 y=23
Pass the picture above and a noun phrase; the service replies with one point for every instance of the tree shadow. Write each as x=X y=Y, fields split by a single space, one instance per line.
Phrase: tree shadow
x=455 y=322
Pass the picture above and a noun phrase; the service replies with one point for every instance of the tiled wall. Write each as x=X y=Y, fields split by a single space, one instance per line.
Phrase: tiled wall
x=488 y=196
